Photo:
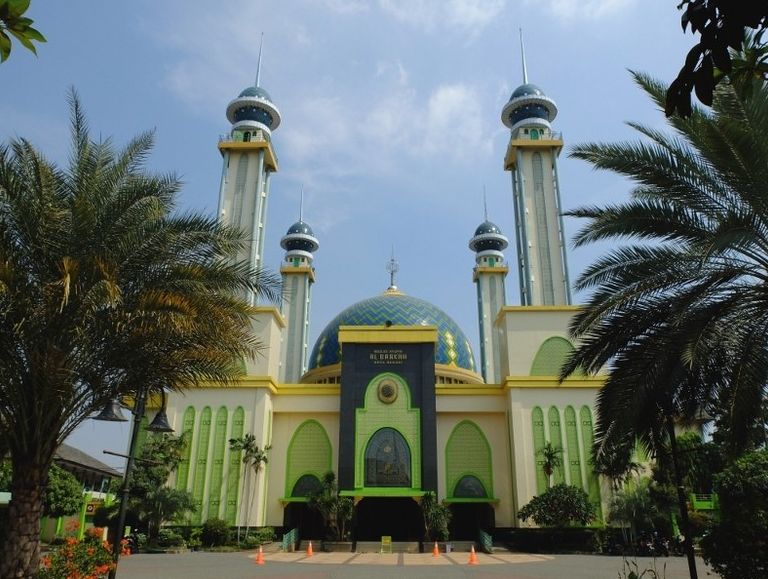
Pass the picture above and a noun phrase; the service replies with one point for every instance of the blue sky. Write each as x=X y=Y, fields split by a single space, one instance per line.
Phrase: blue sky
x=390 y=117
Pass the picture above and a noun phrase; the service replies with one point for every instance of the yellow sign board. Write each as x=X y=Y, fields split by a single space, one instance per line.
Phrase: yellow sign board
x=386 y=544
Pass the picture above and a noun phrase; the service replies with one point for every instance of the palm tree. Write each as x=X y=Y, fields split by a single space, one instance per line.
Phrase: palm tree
x=103 y=290
x=552 y=459
x=254 y=458
x=677 y=310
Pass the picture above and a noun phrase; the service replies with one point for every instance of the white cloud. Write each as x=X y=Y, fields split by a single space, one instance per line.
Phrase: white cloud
x=430 y=14
x=583 y=9
x=453 y=123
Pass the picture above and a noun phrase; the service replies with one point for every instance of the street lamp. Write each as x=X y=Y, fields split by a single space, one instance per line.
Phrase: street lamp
x=111 y=412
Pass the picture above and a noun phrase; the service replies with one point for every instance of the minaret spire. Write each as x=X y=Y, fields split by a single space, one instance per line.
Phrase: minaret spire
x=485 y=203
x=522 y=53
x=392 y=267
x=258 y=64
x=301 y=205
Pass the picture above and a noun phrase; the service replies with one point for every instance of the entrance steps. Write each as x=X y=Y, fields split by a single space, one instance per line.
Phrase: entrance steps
x=397 y=547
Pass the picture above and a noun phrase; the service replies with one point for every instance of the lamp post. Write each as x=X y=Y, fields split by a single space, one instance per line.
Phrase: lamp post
x=112 y=412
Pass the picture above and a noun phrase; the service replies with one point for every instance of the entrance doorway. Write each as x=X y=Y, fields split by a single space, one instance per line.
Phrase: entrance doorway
x=309 y=521
x=468 y=518
x=397 y=517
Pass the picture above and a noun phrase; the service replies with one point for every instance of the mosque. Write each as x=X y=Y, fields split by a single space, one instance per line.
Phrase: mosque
x=391 y=397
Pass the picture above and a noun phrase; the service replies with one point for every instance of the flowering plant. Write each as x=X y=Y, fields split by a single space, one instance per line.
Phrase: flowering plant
x=86 y=558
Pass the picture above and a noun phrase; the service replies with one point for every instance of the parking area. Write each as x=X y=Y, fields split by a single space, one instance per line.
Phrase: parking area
x=392 y=566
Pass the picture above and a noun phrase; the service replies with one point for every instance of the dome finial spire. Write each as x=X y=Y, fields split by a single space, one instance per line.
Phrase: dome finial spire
x=522 y=53
x=392 y=267
x=258 y=64
x=301 y=205
x=485 y=203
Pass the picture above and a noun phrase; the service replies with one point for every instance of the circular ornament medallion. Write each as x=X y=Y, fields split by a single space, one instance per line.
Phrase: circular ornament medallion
x=387 y=390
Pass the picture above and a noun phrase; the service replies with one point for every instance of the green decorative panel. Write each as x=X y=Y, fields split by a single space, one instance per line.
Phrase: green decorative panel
x=182 y=473
x=556 y=438
x=539 y=439
x=201 y=463
x=468 y=454
x=551 y=356
x=217 y=471
x=588 y=437
x=573 y=455
x=309 y=453
x=233 y=475
x=388 y=411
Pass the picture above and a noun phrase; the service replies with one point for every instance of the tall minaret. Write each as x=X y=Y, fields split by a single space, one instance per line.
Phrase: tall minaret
x=298 y=276
x=490 y=271
x=249 y=160
x=532 y=159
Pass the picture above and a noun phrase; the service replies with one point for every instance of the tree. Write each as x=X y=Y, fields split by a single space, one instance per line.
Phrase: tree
x=64 y=493
x=436 y=517
x=737 y=546
x=634 y=507
x=337 y=511
x=162 y=505
x=558 y=507
x=13 y=21
x=552 y=459
x=254 y=458
x=675 y=310
x=152 y=503
x=103 y=290
x=723 y=27
x=616 y=463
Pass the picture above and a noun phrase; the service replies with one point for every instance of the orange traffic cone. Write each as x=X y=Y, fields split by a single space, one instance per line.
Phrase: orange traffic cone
x=435 y=551
x=472 y=556
x=309 y=550
x=260 y=557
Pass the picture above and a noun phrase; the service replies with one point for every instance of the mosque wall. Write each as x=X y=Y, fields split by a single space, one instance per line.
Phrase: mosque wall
x=523 y=329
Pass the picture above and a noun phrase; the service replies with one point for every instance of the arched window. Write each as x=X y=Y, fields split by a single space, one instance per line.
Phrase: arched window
x=306 y=485
x=246 y=136
x=534 y=134
x=387 y=460
x=469 y=486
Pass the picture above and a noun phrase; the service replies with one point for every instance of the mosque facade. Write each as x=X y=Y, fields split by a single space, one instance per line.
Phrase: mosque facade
x=391 y=397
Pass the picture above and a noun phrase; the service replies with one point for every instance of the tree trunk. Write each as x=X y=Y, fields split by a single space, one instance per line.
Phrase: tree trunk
x=21 y=549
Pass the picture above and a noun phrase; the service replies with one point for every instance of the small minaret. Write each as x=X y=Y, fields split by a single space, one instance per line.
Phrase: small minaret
x=249 y=160
x=532 y=160
x=490 y=271
x=298 y=276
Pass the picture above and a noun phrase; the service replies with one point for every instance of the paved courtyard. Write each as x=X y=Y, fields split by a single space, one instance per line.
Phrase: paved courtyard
x=391 y=566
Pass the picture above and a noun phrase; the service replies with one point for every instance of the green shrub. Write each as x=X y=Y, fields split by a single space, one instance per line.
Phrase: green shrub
x=559 y=506
x=215 y=533
x=169 y=538
x=737 y=546
x=250 y=542
x=265 y=534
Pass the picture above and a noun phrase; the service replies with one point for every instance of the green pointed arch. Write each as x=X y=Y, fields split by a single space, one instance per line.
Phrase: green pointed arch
x=588 y=437
x=233 y=472
x=217 y=468
x=556 y=439
x=539 y=439
x=573 y=448
x=395 y=412
x=551 y=356
x=201 y=463
x=182 y=473
x=309 y=453
x=468 y=453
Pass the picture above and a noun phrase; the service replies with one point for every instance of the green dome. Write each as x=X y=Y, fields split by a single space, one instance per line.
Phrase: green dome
x=452 y=348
